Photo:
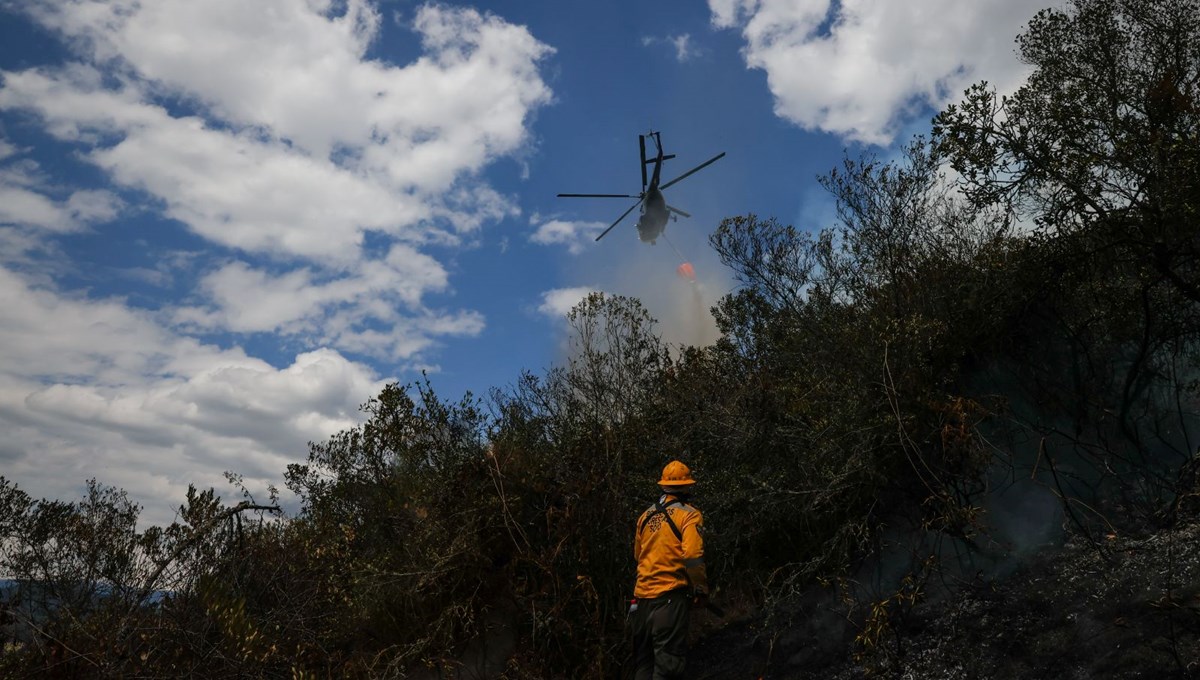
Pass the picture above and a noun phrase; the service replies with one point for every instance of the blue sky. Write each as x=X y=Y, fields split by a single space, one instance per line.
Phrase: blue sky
x=224 y=225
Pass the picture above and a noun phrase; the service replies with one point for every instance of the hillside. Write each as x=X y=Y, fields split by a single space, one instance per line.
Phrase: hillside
x=1128 y=610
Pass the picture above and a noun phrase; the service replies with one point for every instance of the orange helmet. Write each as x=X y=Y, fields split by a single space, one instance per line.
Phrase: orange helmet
x=676 y=474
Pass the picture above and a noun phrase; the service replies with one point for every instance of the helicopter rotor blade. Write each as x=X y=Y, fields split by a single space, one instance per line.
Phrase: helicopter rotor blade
x=598 y=196
x=642 y=149
x=694 y=170
x=677 y=211
x=610 y=227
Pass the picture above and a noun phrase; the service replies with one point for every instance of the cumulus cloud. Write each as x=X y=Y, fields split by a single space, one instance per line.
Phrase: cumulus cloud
x=312 y=83
x=93 y=388
x=238 y=189
x=558 y=301
x=384 y=293
x=300 y=157
x=315 y=175
x=576 y=236
x=20 y=206
x=860 y=68
x=298 y=295
x=26 y=200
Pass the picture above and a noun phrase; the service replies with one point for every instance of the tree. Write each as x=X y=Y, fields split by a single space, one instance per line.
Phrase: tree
x=841 y=403
x=397 y=529
x=573 y=454
x=95 y=596
x=1100 y=151
x=1103 y=141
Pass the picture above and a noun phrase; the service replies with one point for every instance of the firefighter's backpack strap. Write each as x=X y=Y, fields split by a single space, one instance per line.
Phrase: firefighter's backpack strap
x=659 y=507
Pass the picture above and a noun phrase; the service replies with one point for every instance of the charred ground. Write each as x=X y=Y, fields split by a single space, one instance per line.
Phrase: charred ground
x=1130 y=610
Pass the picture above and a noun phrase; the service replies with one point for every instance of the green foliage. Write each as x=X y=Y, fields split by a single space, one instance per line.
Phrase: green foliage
x=850 y=346
x=398 y=517
x=1103 y=141
x=90 y=595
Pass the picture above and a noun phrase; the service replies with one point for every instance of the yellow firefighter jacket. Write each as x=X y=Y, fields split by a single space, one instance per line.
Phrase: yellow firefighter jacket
x=666 y=560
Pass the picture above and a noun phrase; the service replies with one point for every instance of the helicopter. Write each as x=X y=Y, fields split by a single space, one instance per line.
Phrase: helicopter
x=655 y=211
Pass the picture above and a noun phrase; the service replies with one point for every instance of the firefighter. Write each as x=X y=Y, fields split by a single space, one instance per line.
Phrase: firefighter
x=669 y=549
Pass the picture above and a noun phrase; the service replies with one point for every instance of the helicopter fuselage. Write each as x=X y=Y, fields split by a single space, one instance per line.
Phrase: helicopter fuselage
x=653 y=220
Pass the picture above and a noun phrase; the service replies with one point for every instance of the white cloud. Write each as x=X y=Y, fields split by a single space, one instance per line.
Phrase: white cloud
x=558 y=301
x=24 y=207
x=20 y=206
x=298 y=295
x=408 y=339
x=576 y=236
x=93 y=388
x=312 y=85
x=858 y=68
x=234 y=188
x=344 y=310
x=685 y=48
x=91 y=206
x=321 y=173
x=298 y=147
x=25 y=199
x=311 y=145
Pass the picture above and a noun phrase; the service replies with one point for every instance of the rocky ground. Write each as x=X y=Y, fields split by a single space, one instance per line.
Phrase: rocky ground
x=1130 y=609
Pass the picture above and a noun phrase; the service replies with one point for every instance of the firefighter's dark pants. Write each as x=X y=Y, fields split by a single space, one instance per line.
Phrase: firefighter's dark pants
x=659 y=629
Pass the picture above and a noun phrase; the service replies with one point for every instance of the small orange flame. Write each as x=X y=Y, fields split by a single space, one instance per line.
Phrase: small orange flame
x=685 y=271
